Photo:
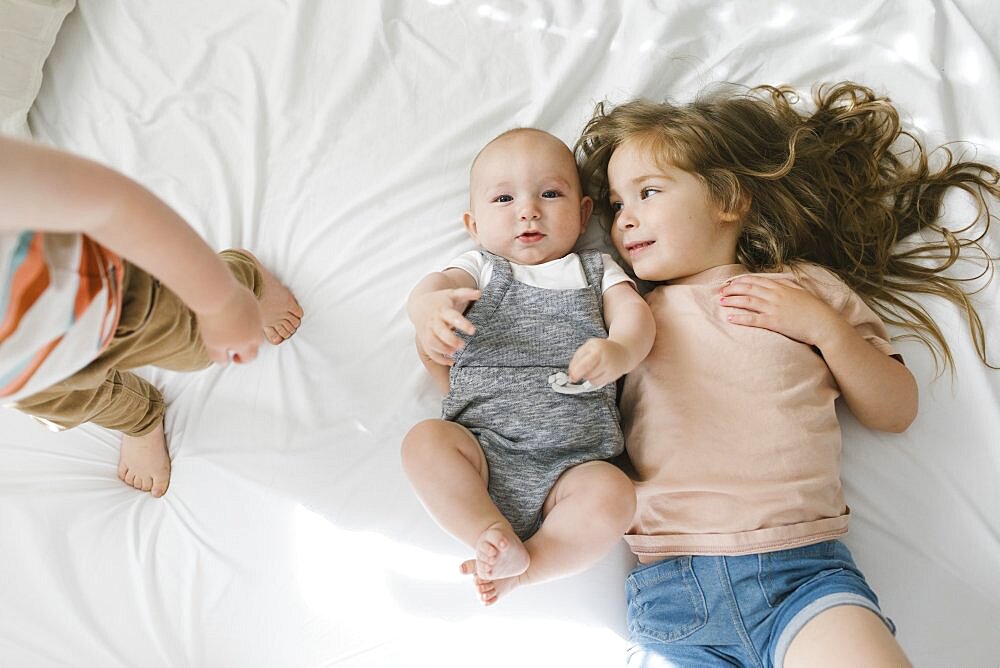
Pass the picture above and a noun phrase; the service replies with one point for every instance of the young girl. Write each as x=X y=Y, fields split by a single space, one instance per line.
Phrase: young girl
x=772 y=233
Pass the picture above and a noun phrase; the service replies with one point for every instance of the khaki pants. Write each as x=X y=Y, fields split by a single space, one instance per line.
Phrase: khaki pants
x=156 y=328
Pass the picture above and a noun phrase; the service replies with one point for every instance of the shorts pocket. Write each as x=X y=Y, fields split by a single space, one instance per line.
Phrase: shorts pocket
x=665 y=601
x=783 y=572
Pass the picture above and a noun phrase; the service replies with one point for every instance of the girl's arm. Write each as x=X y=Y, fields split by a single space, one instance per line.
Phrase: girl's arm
x=879 y=390
x=436 y=306
x=631 y=330
x=50 y=191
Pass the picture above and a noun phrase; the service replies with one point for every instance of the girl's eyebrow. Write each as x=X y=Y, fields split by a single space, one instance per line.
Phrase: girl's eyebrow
x=646 y=177
x=640 y=179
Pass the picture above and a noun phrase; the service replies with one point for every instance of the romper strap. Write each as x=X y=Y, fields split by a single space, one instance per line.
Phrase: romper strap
x=593 y=267
x=493 y=294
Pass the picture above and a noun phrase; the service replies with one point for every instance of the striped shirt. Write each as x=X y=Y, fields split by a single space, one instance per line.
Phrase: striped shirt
x=60 y=300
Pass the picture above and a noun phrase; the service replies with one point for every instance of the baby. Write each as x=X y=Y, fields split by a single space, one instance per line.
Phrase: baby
x=515 y=468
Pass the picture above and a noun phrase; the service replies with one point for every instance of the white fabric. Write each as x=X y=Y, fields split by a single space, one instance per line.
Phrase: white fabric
x=28 y=29
x=564 y=273
x=333 y=139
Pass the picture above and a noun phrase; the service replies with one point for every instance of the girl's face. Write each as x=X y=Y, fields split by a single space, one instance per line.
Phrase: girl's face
x=665 y=224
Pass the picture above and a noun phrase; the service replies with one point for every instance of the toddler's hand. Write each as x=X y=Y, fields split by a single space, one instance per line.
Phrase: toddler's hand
x=436 y=316
x=235 y=330
x=600 y=361
x=781 y=306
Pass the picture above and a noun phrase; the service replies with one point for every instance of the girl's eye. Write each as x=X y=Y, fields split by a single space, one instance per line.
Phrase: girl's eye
x=503 y=198
x=616 y=207
x=647 y=192
x=551 y=194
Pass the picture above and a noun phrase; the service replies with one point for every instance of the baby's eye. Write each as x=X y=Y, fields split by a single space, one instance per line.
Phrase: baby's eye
x=503 y=198
x=647 y=192
x=616 y=207
x=551 y=194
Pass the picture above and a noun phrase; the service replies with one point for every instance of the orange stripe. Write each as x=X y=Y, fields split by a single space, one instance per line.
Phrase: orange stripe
x=30 y=280
x=22 y=378
x=92 y=277
x=113 y=275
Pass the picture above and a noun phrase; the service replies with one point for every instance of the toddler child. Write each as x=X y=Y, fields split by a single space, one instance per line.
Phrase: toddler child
x=515 y=468
x=770 y=232
x=82 y=252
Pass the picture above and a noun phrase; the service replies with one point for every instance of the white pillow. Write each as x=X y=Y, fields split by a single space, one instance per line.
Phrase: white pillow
x=27 y=32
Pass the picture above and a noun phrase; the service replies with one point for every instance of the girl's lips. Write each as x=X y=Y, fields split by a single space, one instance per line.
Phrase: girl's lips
x=636 y=248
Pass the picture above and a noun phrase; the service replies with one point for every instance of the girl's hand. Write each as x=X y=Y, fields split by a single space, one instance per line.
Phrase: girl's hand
x=234 y=331
x=436 y=316
x=600 y=361
x=781 y=306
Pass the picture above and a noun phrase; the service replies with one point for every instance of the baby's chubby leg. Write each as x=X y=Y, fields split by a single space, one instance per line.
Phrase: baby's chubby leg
x=588 y=510
x=449 y=473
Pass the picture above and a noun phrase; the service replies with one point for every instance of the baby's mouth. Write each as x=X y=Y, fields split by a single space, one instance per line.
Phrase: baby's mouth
x=530 y=237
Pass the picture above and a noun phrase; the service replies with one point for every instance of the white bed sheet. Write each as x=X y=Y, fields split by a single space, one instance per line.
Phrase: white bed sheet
x=333 y=140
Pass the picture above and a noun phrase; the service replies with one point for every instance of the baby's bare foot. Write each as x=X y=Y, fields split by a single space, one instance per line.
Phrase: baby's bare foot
x=490 y=591
x=144 y=462
x=499 y=554
x=281 y=312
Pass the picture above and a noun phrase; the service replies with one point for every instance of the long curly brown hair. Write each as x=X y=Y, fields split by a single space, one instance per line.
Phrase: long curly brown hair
x=839 y=184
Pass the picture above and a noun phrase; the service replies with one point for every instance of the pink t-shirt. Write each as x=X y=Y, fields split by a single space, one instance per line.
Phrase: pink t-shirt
x=732 y=429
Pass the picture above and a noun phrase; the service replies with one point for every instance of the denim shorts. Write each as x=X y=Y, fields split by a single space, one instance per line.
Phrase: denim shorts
x=744 y=610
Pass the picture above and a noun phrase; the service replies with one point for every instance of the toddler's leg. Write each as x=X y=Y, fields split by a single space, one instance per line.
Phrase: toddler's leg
x=123 y=402
x=846 y=635
x=281 y=312
x=448 y=471
x=588 y=510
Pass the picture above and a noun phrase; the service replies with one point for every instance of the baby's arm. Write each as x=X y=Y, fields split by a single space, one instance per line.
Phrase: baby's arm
x=51 y=191
x=435 y=307
x=630 y=336
x=879 y=390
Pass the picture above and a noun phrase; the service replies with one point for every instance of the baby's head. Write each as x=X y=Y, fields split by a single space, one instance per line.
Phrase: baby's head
x=525 y=199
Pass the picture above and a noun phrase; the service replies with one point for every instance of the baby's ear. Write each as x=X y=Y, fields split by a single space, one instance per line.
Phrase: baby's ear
x=470 y=225
x=586 y=208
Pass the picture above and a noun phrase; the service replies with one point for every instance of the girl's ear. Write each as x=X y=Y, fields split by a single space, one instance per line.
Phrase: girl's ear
x=737 y=213
x=470 y=225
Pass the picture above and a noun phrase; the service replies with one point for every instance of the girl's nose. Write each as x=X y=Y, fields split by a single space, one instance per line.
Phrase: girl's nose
x=625 y=220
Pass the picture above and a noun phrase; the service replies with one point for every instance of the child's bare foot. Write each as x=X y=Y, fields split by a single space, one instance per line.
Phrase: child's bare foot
x=499 y=554
x=144 y=462
x=281 y=312
x=490 y=591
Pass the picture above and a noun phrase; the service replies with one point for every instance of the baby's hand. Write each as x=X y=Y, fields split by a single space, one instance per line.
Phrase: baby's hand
x=436 y=316
x=234 y=331
x=781 y=306
x=599 y=361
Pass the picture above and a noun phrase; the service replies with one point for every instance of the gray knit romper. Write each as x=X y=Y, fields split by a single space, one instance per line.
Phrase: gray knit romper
x=499 y=388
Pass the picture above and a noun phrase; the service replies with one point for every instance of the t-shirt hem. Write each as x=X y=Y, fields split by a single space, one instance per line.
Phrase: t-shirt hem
x=649 y=548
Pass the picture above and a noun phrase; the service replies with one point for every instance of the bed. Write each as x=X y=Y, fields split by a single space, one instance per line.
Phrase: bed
x=333 y=140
